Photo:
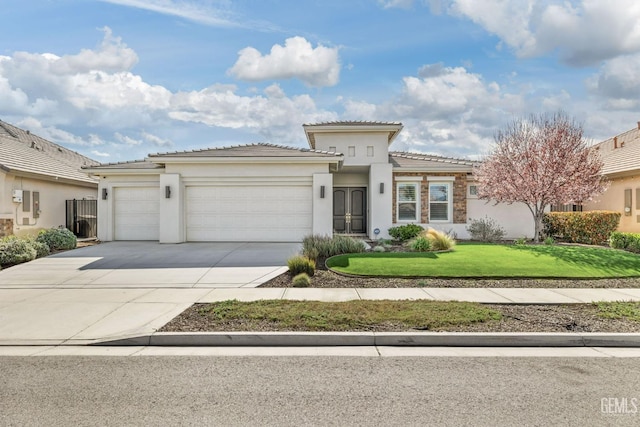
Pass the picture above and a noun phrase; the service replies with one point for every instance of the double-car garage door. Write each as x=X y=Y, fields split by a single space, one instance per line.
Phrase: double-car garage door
x=220 y=213
x=248 y=213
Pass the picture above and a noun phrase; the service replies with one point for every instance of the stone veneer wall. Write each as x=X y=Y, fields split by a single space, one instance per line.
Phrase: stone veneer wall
x=459 y=196
x=6 y=227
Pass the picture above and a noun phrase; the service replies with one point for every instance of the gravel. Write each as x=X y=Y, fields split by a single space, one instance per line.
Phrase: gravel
x=329 y=279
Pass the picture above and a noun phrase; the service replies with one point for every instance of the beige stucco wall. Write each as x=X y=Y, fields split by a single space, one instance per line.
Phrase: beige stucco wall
x=359 y=141
x=613 y=200
x=516 y=218
x=52 y=202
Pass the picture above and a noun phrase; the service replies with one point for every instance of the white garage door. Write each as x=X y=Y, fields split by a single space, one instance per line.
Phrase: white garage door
x=137 y=213
x=248 y=213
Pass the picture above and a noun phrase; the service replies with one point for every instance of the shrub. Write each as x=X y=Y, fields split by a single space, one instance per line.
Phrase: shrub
x=385 y=242
x=379 y=249
x=485 y=229
x=301 y=264
x=549 y=241
x=15 y=251
x=521 y=241
x=42 y=249
x=439 y=240
x=301 y=280
x=315 y=246
x=420 y=244
x=405 y=232
x=627 y=241
x=58 y=239
x=592 y=228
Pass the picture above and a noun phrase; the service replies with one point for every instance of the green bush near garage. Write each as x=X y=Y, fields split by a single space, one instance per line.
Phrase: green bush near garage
x=57 y=239
x=14 y=250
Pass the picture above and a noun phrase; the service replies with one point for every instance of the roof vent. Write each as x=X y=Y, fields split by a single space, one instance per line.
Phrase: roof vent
x=638 y=125
x=28 y=132
x=615 y=142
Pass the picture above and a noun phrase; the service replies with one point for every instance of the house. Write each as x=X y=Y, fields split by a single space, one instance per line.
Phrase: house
x=621 y=166
x=347 y=181
x=36 y=178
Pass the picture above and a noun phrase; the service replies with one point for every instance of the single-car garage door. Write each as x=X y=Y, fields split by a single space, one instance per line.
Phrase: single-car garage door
x=137 y=213
x=275 y=213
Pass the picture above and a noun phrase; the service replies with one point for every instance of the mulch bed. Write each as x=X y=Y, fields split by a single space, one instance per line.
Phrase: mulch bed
x=515 y=318
x=328 y=279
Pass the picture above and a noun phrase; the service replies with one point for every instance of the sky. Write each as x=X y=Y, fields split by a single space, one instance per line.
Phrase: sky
x=117 y=80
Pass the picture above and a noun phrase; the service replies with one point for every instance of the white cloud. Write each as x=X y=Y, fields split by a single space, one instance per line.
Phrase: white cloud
x=402 y=4
x=111 y=56
x=582 y=32
x=156 y=140
x=618 y=82
x=445 y=110
x=196 y=11
x=319 y=66
x=274 y=115
x=100 y=153
x=127 y=140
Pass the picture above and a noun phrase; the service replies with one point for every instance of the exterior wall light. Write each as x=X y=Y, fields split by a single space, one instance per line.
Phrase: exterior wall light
x=382 y=188
x=167 y=192
x=104 y=194
x=322 y=191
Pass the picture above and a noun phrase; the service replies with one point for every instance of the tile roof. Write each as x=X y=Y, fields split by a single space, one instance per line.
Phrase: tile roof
x=354 y=123
x=415 y=160
x=23 y=152
x=131 y=164
x=249 y=150
x=621 y=153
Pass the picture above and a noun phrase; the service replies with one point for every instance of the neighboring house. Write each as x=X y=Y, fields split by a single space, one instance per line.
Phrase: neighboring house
x=621 y=158
x=346 y=182
x=36 y=178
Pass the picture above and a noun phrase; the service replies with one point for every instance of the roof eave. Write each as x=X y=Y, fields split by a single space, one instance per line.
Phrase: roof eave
x=245 y=159
x=57 y=179
x=311 y=129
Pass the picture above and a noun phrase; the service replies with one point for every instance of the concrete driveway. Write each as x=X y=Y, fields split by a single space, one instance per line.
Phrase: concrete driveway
x=148 y=264
x=119 y=289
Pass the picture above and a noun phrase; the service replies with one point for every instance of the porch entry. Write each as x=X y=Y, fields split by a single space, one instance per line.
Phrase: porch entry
x=350 y=210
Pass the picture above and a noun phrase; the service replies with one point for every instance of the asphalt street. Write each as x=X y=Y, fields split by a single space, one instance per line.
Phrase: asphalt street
x=341 y=391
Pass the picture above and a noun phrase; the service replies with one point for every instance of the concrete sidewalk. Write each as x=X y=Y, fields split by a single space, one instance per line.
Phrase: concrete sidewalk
x=76 y=316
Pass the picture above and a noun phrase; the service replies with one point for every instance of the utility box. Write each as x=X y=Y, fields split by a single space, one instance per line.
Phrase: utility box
x=17 y=196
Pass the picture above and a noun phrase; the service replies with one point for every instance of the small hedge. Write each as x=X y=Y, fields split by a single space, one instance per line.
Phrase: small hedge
x=405 y=232
x=16 y=251
x=591 y=228
x=626 y=241
x=58 y=239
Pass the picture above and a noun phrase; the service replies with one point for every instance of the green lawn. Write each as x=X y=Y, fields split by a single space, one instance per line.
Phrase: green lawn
x=357 y=315
x=495 y=261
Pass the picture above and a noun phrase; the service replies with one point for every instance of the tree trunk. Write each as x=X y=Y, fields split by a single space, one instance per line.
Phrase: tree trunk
x=538 y=224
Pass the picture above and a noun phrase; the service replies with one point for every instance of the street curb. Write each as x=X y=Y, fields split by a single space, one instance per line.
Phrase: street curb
x=422 y=339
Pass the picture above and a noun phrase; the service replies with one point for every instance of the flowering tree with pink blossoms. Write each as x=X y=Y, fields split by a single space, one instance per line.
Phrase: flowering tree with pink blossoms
x=540 y=161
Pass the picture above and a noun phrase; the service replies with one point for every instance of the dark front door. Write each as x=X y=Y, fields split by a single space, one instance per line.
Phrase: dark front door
x=350 y=210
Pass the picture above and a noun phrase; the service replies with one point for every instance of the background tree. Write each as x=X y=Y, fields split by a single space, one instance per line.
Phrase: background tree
x=540 y=161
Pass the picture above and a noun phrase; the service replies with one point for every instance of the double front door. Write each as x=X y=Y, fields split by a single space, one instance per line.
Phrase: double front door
x=350 y=210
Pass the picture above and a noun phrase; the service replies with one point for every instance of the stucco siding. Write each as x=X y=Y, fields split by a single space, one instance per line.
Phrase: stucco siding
x=52 y=206
x=613 y=199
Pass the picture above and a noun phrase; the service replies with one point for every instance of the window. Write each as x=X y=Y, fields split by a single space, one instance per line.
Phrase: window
x=408 y=201
x=473 y=190
x=439 y=201
x=352 y=151
x=370 y=151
